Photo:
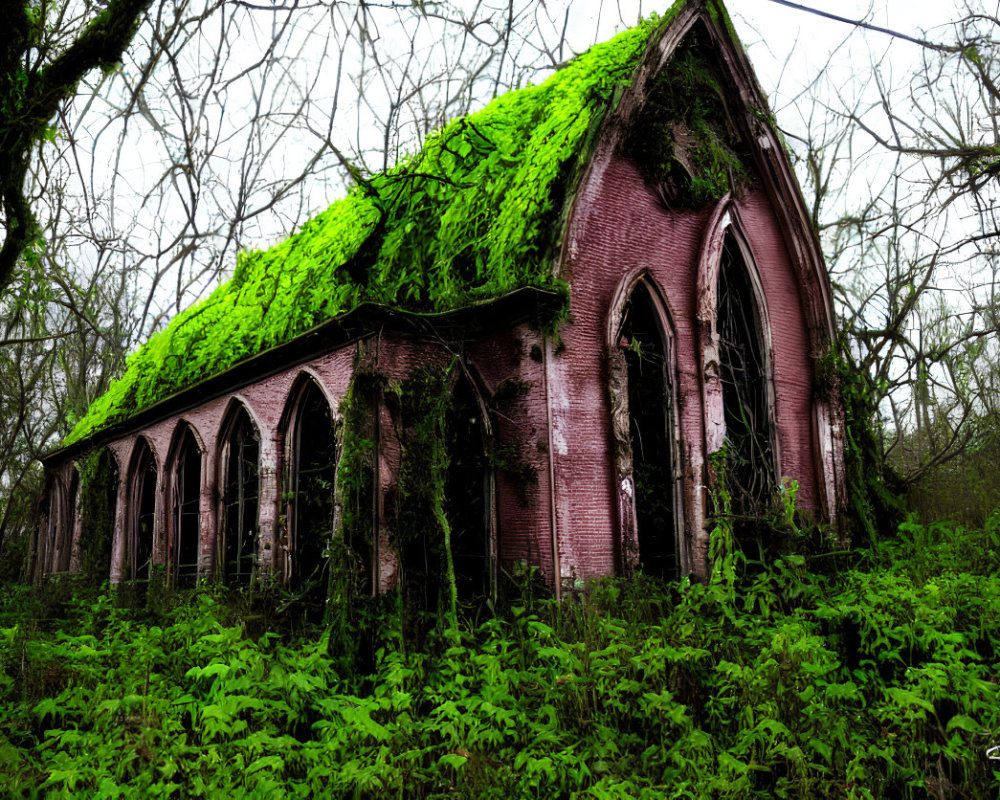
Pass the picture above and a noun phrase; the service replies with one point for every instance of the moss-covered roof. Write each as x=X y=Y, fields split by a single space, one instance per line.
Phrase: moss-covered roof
x=474 y=215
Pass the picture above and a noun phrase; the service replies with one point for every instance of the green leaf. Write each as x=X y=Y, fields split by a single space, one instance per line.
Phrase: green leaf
x=963 y=723
x=453 y=760
x=276 y=763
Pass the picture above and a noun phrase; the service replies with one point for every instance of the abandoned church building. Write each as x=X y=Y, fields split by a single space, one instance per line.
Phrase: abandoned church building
x=540 y=341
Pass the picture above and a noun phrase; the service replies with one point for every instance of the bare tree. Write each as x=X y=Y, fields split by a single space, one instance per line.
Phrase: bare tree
x=225 y=126
x=47 y=49
x=901 y=168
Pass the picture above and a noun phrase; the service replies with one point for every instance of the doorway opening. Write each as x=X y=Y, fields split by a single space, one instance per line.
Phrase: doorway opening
x=467 y=495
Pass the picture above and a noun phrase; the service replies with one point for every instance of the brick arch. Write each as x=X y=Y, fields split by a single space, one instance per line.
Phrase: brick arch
x=303 y=378
x=140 y=440
x=238 y=402
x=183 y=424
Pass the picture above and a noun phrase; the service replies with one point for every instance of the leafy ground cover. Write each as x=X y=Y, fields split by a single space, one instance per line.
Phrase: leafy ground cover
x=865 y=675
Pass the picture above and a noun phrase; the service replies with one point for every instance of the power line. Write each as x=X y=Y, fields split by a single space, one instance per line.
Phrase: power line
x=869 y=26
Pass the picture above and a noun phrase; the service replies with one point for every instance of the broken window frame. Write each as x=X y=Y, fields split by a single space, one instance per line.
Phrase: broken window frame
x=180 y=505
x=621 y=422
x=238 y=425
x=725 y=226
x=143 y=467
x=756 y=390
x=292 y=428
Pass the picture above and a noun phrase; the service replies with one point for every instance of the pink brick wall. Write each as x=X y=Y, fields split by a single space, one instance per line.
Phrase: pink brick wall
x=265 y=402
x=619 y=228
x=561 y=425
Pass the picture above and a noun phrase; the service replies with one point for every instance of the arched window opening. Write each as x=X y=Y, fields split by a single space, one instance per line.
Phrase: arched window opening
x=743 y=370
x=467 y=496
x=650 y=434
x=311 y=461
x=99 y=502
x=142 y=503
x=185 y=544
x=240 y=500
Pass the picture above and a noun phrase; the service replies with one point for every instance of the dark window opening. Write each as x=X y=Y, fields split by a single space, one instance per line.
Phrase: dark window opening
x=98 y=506
x=750 y=477
x=312 y=473
x=444 y=470
x=186 y=529
x=140 y=553
x=649 y=435
x=241 y=501
x=467 y=492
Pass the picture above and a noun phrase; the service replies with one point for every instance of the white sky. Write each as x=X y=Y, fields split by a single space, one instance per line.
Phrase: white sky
x=789 y=50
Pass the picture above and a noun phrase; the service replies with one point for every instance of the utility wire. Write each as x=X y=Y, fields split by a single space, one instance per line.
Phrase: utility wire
x=869 y=26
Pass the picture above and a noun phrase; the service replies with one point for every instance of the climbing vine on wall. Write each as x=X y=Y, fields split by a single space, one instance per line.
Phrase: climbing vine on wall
x=874 y=507
x=682 y=139
x=421 y=533
x=98 y=493
x=351 y=568
x=349 y=552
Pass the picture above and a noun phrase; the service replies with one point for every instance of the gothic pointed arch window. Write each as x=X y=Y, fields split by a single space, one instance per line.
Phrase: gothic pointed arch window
x=644 y=425
x=184 y=544
x=744 y=373
x=141 y=513
x=239 y=527
x=310 y=484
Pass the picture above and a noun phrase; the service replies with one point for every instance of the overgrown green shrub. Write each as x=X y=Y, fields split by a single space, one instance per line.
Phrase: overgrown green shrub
x=875 y=682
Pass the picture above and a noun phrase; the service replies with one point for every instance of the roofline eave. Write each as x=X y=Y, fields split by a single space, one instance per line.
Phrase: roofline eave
x=528 y=303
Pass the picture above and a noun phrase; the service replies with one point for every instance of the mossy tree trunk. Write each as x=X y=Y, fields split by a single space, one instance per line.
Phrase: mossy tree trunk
x=40 y=68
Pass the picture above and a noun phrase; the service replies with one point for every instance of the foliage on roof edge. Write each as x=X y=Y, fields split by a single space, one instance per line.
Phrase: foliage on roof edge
x=472 y=216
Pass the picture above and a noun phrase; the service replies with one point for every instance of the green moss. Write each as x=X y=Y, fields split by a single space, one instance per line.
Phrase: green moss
x=98 y=492
x=469 y=217
x=475 y=214
x=873 y=490
x=421 y=530
x=685 y=96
